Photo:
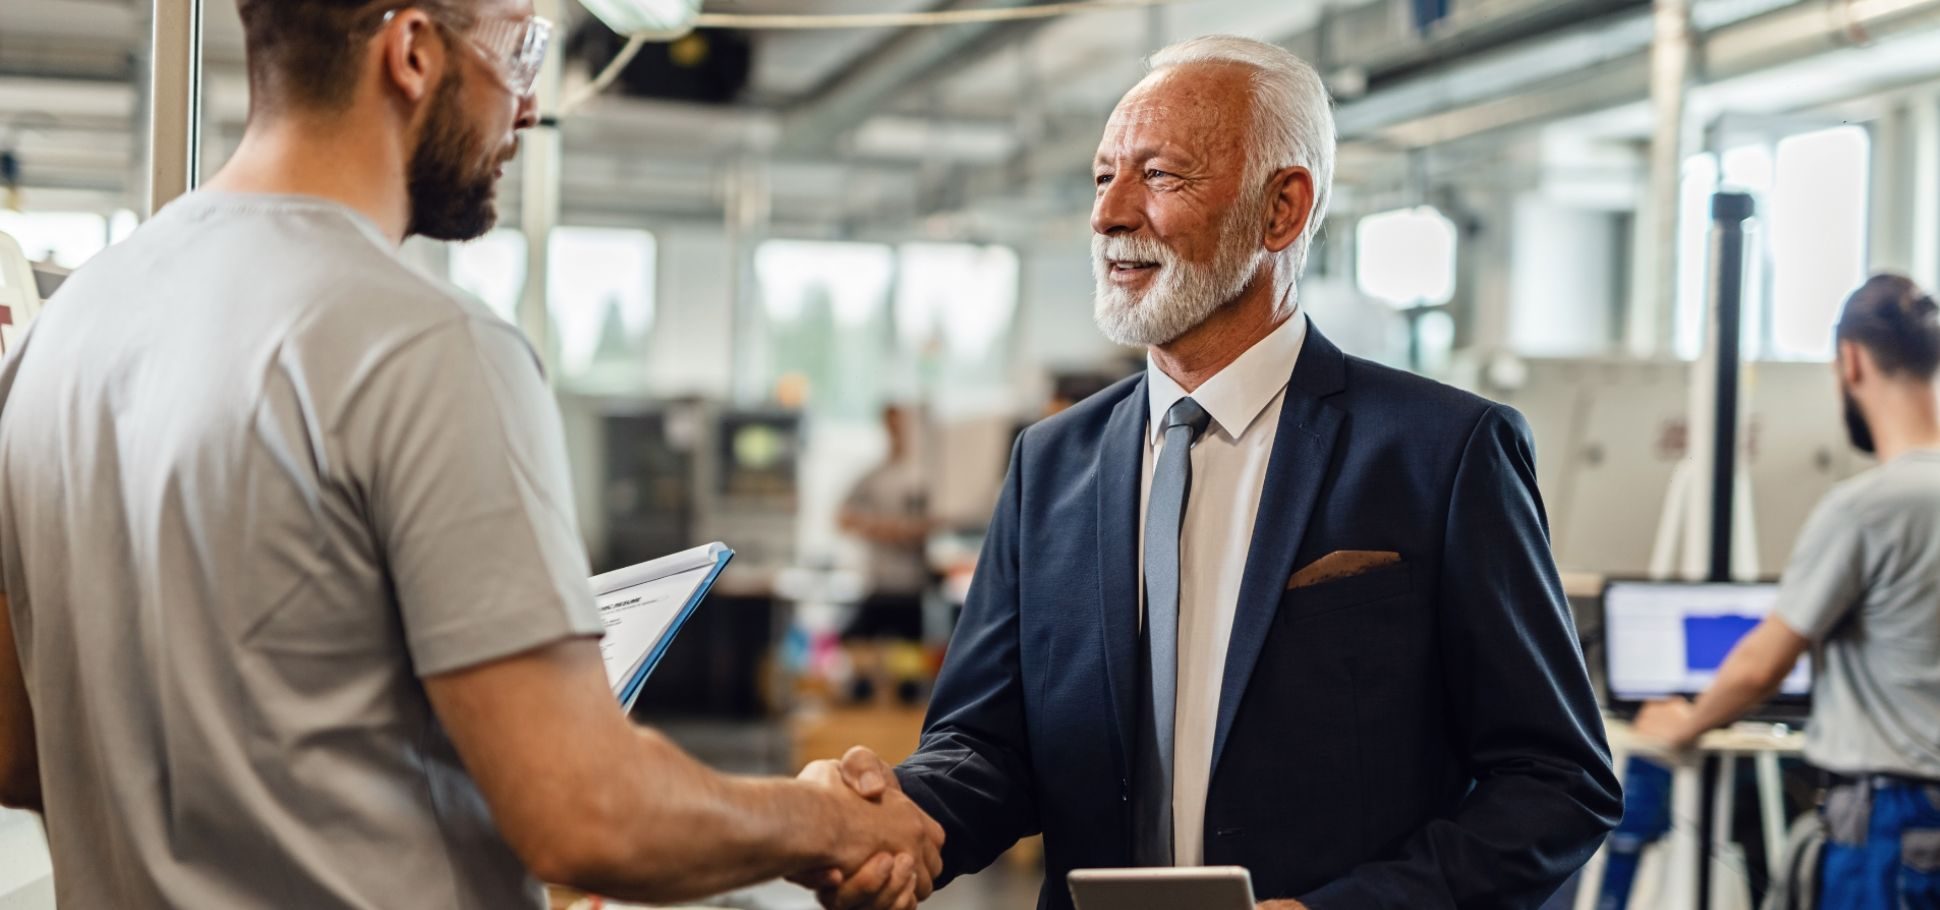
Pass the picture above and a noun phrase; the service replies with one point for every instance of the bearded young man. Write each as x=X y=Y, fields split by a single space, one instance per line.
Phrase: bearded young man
x=1863 y=590
x=1265 y=605
x=296 y=612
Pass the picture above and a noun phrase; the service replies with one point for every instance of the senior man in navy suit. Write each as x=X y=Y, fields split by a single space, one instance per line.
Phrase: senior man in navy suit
x=1266 y=604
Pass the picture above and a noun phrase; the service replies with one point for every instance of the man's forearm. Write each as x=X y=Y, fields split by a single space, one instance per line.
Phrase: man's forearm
x=22 y=792
x=19 y=746
x=1739 y=687
x=888 y=529
x=19 y=774
x=589 y=801
x=695 y=832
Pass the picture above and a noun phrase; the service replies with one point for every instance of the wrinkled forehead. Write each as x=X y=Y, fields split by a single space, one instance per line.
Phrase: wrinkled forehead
x=1204 y=107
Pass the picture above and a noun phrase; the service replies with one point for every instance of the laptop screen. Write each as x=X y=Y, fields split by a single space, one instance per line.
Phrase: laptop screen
x=1670 y=638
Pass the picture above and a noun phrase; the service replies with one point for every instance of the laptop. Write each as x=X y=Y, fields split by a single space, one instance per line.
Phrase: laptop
x=1664 y=639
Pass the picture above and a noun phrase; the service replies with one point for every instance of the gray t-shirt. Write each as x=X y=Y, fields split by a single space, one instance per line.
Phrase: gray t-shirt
x=257 y=477
x=894 y=489
x=1864 y=583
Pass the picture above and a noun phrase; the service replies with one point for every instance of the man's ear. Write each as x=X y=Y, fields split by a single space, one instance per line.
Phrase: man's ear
x=1854 y=363
x=1289 y=205
x=412 y=54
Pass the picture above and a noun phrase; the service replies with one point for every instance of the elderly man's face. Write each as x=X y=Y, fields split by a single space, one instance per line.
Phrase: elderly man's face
x=1176 y=232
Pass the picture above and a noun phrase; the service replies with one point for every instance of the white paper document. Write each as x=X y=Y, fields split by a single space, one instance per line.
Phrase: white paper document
x=644 y=606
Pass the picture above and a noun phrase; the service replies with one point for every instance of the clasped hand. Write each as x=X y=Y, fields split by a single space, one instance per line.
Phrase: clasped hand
x=891 y=852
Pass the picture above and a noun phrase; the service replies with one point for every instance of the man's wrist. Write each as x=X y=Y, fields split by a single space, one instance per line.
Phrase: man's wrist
x=819 y=829
x=1699 y=722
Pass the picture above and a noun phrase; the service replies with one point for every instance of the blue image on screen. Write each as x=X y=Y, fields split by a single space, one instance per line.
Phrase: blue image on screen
x=1708 y=640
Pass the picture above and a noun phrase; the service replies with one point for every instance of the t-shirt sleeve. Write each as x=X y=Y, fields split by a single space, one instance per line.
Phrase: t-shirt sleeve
x=456 y=442
x=1826 y=575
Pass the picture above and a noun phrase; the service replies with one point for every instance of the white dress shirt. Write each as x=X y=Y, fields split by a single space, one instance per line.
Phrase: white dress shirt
x=1228 y=470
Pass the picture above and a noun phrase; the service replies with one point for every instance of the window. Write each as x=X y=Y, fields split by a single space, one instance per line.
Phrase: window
x=955 y=297
x=827 y=334
x=1700 y=180
x=1748 y=169
x=600 y=291
x=1806 y=244
x=955 y=303
x=799 y=277
x=1818 y=236
x=121 y=224
x=856 y=322
x=1406 y=257
x=599 y=294
x=67 y=239
x=493 y=269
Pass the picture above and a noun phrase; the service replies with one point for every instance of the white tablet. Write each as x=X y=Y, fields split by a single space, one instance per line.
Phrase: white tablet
x=1203 y=888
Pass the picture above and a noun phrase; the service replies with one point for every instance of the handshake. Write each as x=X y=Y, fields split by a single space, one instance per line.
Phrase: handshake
x=888 y=852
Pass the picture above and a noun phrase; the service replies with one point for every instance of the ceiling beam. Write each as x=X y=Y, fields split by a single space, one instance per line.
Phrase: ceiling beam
x=911 y=58
x=1584 y=72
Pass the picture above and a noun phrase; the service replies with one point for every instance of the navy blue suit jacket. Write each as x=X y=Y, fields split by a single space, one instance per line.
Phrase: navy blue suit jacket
x=1420 y=736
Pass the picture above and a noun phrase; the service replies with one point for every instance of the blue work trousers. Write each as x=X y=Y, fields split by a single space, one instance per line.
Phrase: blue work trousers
x=1883 y=846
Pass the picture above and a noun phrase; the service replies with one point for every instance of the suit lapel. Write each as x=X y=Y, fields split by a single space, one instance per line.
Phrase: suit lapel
x=1302 y=453
x=1121 y=455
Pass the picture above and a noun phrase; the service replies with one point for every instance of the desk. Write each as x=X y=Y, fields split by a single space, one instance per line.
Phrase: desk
x=1763 y=743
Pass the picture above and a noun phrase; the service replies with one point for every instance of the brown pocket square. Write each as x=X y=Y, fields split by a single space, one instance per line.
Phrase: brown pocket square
x=1342 y=564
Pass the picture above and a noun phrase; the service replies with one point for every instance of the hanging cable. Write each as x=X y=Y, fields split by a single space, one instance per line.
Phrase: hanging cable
x=916 y=19
x=760 y=21
x=606 y=78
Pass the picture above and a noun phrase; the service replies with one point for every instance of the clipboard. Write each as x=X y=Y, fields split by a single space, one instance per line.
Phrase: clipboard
x=643 y=608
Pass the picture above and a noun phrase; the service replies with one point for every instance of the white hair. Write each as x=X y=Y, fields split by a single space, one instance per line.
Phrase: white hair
x=1293 y=121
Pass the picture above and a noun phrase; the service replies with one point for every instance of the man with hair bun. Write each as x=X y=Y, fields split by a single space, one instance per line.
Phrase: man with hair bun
x=1863 y=587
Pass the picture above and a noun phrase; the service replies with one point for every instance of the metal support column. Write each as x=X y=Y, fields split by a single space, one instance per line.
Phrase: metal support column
x=1923 y=149
x=174 y=101
x=1890 y=238
x=539 y=192
x=1653 y=318
x=746 y=216
x=1729 y=211
x=1771 y=806
x=1715 y=434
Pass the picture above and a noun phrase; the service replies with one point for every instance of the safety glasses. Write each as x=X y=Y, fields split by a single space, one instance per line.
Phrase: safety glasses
x=514 y=48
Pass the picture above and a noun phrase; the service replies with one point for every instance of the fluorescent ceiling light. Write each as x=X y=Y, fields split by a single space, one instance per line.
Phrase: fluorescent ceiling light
x=650 y=17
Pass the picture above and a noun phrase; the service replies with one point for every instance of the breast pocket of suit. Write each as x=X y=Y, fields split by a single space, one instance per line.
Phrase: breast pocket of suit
x=1366 y=627
x=1376 y=586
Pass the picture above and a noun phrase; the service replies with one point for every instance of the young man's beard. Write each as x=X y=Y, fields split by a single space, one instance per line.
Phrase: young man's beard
x=1857 y=429
x=452 y=196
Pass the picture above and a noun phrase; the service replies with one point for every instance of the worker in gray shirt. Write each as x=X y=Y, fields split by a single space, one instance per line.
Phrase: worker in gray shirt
x=1863 y=586
x=296 y=613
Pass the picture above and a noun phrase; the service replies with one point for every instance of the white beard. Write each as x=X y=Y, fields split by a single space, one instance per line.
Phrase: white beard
x=1183 y=294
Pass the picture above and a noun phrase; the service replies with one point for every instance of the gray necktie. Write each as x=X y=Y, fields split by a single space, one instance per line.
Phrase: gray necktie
x=1164 y=513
